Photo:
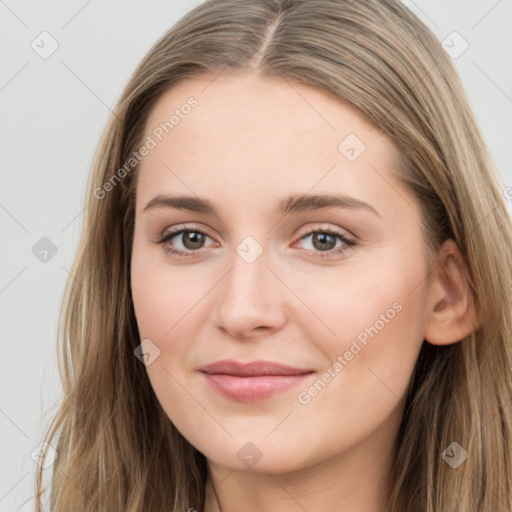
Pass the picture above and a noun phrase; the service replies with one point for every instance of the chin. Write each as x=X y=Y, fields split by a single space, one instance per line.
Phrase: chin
x=259 y=457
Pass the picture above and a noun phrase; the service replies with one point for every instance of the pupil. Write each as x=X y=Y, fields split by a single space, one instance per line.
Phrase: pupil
x=321 y=237
x=193 y=240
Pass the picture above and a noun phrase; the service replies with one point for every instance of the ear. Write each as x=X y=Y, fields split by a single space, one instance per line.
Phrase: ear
x=451 y=307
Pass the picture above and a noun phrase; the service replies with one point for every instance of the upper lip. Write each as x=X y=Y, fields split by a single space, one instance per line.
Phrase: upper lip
x=251 y=369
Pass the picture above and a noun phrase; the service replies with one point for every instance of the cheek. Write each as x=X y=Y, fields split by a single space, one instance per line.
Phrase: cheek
x=377 y=315
x=162 y=296
x=377 y=305
x=171 y=306
x=350 y=299
x=164 y=308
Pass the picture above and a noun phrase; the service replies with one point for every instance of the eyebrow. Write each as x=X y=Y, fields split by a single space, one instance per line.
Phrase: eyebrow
x=290 y=204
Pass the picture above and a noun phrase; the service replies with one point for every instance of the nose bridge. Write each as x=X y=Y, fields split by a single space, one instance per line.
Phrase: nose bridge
x=249 y=296
x=248 y=279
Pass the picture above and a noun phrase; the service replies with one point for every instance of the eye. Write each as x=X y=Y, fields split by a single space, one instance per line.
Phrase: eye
x=325 y=242
x=183 y=242
x=188 y=242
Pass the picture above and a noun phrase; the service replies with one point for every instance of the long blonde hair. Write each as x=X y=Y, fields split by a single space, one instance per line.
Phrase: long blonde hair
x=117 y=449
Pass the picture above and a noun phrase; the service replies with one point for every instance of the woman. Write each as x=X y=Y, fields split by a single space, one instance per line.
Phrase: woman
x=293 y=289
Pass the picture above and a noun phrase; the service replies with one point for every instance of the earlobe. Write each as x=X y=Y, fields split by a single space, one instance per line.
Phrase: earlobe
x=451 y=313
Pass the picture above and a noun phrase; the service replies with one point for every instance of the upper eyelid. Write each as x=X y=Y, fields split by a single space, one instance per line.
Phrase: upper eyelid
x=337 y=230
x=307 y=231
x=180 y=228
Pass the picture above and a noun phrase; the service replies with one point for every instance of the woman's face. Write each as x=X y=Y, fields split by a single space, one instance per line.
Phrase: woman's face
x=293 y=245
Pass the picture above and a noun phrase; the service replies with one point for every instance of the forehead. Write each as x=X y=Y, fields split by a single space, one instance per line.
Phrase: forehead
x=223 y=133
x=271 y=106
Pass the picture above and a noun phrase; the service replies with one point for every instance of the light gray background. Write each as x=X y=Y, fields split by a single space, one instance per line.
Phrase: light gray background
x=52 y=113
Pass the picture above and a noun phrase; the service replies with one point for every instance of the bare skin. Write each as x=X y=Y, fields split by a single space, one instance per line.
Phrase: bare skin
x=303 y=301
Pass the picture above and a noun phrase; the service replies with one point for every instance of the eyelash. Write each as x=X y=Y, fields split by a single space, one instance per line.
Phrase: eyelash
x=187 y=254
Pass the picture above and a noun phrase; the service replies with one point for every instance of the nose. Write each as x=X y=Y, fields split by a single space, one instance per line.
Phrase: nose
x=250 y=298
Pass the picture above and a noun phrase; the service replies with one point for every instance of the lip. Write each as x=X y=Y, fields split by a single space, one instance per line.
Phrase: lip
x=252 y=381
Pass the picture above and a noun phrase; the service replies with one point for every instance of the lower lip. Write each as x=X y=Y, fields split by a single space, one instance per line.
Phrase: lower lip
x=252 y=388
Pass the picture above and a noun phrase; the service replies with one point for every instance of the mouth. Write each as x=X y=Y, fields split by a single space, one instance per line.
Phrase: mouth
x=252 y=381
